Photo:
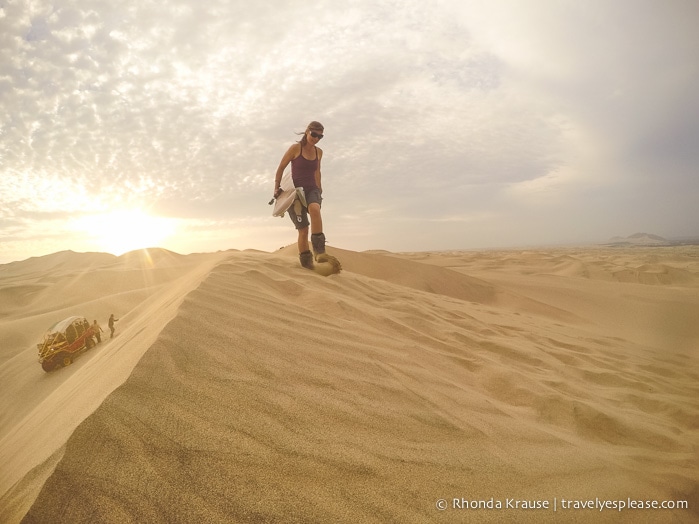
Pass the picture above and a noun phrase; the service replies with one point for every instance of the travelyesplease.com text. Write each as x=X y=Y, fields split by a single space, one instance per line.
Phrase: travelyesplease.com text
x=559 y=504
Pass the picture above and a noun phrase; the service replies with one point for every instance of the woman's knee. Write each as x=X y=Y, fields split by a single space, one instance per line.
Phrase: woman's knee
x=314 y=209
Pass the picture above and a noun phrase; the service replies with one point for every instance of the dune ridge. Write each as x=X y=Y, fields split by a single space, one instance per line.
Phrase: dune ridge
x=274 y=394
x=39 y=411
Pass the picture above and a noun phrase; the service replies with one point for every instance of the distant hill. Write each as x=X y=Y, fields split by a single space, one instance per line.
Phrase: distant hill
x=59 y=259
x=640 y=239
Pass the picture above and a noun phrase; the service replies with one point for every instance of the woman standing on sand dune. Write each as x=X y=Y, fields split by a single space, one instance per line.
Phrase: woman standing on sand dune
x=305 y=157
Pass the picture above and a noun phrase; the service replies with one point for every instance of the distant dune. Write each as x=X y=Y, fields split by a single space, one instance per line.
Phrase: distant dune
x=641 y=239
x=243 y=388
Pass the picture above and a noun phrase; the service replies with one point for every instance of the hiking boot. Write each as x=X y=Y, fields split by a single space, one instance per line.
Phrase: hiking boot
x=318 y=241
x=306 y=259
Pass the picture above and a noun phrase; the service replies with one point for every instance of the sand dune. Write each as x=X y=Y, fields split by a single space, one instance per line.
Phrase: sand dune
x=243 y=388
x=39 y=411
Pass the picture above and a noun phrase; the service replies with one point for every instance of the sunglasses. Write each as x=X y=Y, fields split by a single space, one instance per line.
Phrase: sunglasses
x=316 y=135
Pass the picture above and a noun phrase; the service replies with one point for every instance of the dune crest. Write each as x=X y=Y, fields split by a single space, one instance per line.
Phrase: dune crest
x=39 y=411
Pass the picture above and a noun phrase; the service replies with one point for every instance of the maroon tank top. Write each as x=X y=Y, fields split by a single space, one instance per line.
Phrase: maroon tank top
x=303 y=172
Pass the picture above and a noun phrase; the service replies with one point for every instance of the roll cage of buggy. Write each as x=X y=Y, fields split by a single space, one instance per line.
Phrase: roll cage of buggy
x=64 y=341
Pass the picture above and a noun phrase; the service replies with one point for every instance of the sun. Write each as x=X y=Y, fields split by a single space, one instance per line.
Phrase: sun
x=120 y=231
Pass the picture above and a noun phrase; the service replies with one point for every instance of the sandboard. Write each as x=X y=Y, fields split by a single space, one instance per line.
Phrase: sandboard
x=288 y=196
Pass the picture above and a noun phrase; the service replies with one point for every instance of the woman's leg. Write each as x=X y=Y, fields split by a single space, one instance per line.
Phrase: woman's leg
x=303 y=240
x=317 y=236
x=316 y=219
x=305 y=255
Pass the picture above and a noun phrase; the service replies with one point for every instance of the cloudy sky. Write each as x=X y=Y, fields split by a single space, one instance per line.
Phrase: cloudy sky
x=449 y=124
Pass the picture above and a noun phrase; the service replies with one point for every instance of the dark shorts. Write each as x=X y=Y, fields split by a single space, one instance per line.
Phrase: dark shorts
x=300 y=220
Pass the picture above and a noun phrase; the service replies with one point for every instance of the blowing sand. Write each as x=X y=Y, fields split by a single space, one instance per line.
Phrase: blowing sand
x=242 y=388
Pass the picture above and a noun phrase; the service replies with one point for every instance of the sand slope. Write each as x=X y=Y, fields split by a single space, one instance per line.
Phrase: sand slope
x=39 y=411
x=277 y=395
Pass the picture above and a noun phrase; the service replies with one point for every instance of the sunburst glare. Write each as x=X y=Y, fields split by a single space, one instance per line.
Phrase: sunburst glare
x=124 y=230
